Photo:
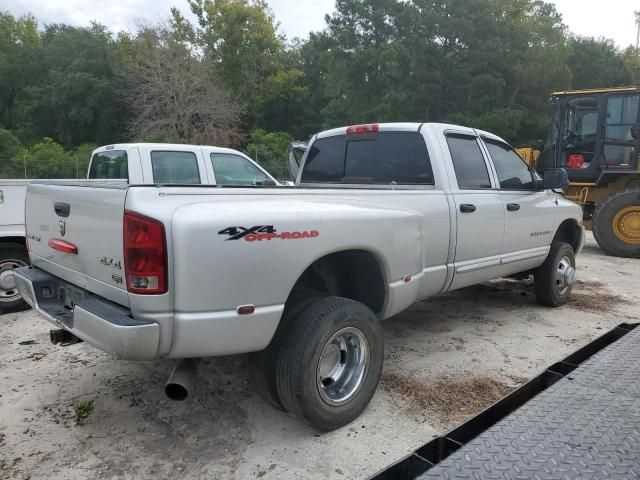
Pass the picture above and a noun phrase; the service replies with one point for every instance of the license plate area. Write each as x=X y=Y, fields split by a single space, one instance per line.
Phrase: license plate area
x=70 y=296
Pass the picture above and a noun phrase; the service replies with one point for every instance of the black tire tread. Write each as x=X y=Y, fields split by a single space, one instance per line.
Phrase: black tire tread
x=298 y=333
x=262 y=364
x=544 y=288
x=302 y=342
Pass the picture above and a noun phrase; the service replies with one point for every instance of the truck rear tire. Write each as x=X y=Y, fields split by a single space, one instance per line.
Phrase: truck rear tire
x=12 y=256
x=554 y=279
x=262 y=364
x=330 y=362
x=616 y=224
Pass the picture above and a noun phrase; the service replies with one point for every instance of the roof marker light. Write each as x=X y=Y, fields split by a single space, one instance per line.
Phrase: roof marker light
x=362 y=129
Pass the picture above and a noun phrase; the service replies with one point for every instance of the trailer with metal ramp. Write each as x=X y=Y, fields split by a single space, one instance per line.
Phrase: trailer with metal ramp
x=579 y=419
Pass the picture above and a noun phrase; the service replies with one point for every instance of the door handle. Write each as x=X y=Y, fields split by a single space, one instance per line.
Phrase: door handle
x=62 y=209
x=513 y=207
x=467 y=208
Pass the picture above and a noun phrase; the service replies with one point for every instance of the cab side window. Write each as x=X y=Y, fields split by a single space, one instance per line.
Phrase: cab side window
x=233 y=169
x=513 y=173
x=175 y=168
x=468 y=162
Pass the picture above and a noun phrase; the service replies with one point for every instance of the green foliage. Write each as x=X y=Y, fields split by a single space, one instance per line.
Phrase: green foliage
x=238 y=37
x=10 y=149
x=82 y=410
x=48 y=159
x=229 y=78
x=596 y=64
x=269 y=149
x=76 y=99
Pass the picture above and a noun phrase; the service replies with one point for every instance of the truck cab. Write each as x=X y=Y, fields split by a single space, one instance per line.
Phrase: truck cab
x=176 y=164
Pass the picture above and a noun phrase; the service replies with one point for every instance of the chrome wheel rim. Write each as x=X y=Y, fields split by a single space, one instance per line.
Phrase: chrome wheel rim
x=565 y=275
x=8 y=291
x=342 y=366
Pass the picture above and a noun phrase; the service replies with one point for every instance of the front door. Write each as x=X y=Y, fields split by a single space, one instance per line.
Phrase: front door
x=619 y=146
x=529 y=213
x=479 y=214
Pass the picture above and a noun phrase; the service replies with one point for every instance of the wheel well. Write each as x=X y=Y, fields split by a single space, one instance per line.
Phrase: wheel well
x=354 y=274
x=569 y=232
x=18 y=240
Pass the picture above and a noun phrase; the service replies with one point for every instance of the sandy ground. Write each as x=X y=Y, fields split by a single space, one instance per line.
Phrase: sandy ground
x=481 y=342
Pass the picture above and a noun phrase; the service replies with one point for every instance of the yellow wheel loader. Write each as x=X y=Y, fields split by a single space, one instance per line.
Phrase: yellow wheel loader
x=595 y=136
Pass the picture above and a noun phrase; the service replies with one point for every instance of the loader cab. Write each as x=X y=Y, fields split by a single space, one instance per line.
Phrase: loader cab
x=593 y=132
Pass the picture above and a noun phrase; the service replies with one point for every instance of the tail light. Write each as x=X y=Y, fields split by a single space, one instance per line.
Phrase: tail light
x=145 y=254
x=362 y=129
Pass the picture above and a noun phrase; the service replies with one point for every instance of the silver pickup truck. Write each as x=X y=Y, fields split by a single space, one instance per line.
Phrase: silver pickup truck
x=382 y=215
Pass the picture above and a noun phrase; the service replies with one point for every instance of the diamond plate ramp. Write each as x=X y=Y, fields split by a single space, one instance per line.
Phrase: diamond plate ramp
x=585 y=425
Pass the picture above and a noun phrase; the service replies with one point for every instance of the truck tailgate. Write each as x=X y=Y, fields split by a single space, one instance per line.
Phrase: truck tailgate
x=88 y=217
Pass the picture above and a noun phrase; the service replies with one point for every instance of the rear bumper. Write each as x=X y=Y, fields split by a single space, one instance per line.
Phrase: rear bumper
x=103 y=324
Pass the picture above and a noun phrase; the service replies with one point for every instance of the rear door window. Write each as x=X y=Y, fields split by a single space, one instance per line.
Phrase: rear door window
x=109 y=165
x=384 y=158
x=468 y=162
x=175 y=168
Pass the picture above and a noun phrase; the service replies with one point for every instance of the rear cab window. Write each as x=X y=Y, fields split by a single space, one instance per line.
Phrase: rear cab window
x=383 y=158
x=175 y=168
x=109 y=165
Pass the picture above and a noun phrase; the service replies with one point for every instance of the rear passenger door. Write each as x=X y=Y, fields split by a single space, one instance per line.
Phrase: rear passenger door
x=479 y=213
x=173 y=165
x=529 y=212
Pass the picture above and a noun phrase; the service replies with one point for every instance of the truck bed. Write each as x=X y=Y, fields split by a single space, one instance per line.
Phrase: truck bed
x=579 y=422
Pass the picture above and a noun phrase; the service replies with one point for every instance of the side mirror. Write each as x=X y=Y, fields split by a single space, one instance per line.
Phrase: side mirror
x=555 y=178
x=635 y=132
x=294 y=156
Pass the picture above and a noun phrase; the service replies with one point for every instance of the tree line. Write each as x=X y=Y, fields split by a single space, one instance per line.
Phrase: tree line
x=230 y=79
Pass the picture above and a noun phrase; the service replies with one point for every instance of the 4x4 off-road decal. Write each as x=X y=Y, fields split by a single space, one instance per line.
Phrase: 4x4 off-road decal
x=264 y=232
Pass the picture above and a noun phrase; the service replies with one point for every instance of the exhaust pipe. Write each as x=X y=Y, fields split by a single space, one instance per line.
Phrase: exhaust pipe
x=63 y=337
x=181 y=380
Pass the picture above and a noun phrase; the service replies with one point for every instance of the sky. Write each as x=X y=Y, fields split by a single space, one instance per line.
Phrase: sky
x=614 y=20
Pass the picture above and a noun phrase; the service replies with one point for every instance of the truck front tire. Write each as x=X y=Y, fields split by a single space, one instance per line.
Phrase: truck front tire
x=554 y=280
x=330 y=362
x=12 y=256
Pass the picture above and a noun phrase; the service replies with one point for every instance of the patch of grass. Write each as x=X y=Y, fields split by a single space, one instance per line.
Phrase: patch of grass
x=446 y=400
x=82 y=410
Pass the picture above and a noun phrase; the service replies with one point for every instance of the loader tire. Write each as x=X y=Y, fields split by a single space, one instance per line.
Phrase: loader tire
x=330 y=363
x=554 y=279
x=616 y=224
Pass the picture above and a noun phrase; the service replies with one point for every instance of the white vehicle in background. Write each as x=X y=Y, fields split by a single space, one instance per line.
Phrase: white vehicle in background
x=133 y=163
